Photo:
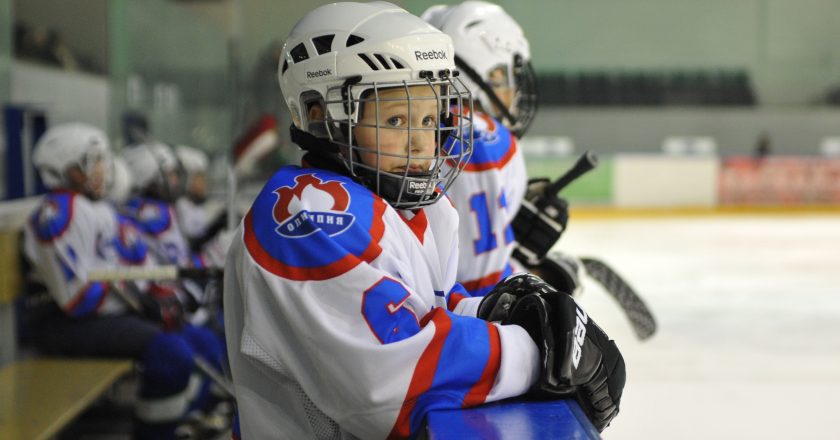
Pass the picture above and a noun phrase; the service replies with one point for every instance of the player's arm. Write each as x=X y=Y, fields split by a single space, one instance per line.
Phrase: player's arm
x=63 y=262
x=459 y=301
x=376 y=358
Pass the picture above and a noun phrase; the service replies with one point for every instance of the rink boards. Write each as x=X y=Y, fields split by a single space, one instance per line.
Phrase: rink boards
x=509 y=420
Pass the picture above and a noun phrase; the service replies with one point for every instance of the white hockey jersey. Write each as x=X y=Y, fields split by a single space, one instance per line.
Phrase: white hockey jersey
x=66 y=236
x=488 y=194
x=162 y=232
x=343 y=317
x=192 y=217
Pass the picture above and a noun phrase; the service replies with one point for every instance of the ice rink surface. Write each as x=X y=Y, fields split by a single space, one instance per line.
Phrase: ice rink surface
x=748 y=307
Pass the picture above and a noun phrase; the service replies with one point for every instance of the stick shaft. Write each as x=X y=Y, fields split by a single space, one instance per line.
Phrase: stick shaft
x=587 y=162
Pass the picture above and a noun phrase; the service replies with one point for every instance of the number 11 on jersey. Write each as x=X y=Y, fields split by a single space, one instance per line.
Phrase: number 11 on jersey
x=487 y=240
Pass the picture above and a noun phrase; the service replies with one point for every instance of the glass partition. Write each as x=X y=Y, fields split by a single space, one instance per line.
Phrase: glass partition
x=5 y=74
x=171 y=67
x=5 y=48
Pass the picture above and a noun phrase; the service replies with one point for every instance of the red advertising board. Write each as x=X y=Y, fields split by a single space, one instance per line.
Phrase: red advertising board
x=779 y=181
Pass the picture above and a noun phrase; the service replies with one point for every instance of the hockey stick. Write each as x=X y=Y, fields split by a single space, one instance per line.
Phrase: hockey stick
x=540 y=220
x=640 y=316
x=533 y=227
x=588 y=161
x=156 y=273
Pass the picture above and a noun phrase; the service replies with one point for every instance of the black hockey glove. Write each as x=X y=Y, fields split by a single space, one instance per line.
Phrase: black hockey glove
x=578 y=359
x=562 y=271
x=496 y=304
x=539 y=223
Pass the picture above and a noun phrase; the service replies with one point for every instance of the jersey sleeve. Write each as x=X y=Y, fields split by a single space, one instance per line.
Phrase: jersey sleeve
x=158 y=222
x=63 y=246
x=370 y=352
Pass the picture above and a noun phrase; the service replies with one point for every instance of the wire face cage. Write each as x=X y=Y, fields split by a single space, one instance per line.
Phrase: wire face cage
x=406 y=140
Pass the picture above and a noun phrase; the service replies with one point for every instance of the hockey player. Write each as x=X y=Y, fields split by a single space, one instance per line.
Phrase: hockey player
x=205 y=235
x=340 y=294
x=495 y=58
x=157 y=185
x=70 y=233
x=189 y=208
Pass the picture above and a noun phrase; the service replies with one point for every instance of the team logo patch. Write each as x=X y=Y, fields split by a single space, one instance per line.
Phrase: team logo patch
x=53 y=217
x=149 y=212
x=325 y=209
x=49 y=213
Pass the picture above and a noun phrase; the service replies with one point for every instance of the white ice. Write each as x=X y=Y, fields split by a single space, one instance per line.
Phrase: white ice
x=748 y=345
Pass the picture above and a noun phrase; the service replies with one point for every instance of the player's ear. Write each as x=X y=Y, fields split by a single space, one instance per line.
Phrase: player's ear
x=76 y=177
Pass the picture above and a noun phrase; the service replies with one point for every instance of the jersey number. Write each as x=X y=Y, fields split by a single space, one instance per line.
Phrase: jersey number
x=383 y=309
x=486 y=240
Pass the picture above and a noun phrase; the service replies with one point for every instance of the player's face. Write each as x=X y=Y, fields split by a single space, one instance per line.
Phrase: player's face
x=95 y=180
x=198 y=187
x=499 y=82
x=396 y=114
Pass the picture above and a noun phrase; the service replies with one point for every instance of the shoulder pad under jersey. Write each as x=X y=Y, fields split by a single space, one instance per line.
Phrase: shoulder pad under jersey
x=493 y=144
x=128 y=242
x=152 y=216
x=53 y=216
x=311 y=224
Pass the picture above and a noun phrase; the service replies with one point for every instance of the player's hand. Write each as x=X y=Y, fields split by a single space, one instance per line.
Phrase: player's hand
x=562 y=271
x=496 y=304
x=536 y=185
x=557 y=208
x=539 y=223
x=578 y=358
x=161 y=304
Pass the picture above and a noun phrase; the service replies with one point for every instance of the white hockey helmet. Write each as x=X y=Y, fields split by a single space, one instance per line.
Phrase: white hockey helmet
x=151 y=164
x=119 y=184
x=194 y=166
x=67 y=145
x=487 y=40
x=342 y=55
x=193 y=160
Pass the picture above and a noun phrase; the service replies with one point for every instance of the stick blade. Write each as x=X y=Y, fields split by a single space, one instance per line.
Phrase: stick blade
x=639 y=314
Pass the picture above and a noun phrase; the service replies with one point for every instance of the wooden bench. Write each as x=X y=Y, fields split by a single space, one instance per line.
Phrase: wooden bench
x=39 y=397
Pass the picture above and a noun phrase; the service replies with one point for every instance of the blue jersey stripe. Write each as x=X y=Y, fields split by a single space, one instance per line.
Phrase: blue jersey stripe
x=462 y=360
x=92 y=296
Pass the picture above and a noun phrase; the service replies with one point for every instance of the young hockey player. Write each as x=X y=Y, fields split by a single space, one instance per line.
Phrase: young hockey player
x=340 y=305
x=71 y=233
x=190 y=209
x=157 y=185
x=495 y=60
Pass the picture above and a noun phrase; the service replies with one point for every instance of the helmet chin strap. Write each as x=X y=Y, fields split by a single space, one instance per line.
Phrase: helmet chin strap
x=464 y=67
x=322 y=153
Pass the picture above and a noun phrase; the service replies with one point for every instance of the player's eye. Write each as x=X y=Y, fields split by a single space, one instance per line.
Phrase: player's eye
x=395 y=121
x=429 y=121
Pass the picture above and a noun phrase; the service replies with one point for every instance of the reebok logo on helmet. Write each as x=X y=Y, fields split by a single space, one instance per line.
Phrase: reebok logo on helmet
x=318 y=73
x=430 y=55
